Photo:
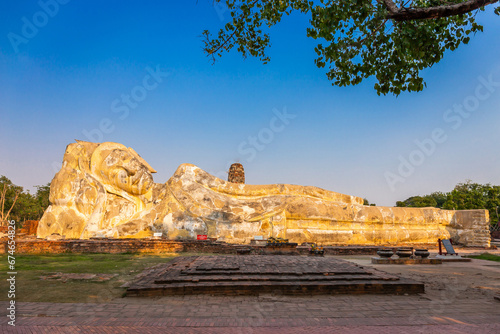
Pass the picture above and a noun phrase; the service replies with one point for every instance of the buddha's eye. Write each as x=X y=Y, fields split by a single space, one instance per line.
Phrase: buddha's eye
x=122 y=175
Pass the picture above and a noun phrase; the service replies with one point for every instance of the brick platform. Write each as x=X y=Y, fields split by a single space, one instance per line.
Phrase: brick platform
x=32 y=245
x=453 y=258
x=381 y=260
x=254 y=275
x=40 y=246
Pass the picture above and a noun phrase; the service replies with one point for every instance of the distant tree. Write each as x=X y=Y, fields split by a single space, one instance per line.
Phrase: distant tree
x=20 y=205
x=26 y=208
x=366 y=202
x=465 y=196
x=471 y=195
x=391 y=40
x=418 y=202
x=493 y=203
x=9 y=194
x=439 y=197
x=42 y=198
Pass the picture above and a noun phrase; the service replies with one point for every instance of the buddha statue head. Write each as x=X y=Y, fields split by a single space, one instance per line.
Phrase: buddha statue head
x=121 y=170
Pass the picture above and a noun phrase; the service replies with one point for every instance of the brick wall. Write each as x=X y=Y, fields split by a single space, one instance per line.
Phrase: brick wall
x=32 y=245
x=29 y=227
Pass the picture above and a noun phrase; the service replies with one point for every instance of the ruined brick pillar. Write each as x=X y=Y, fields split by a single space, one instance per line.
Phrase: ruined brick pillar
x=236 y=173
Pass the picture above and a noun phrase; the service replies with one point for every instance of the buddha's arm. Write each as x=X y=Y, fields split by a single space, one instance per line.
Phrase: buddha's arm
x=193 y=173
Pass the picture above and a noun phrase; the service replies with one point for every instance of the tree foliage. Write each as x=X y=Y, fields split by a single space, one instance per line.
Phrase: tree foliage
x=436 y=199
x=366 y=202
x=21 y=204
x=358 y=39
x=9 y=195
x=470 y=195
x=465 y=196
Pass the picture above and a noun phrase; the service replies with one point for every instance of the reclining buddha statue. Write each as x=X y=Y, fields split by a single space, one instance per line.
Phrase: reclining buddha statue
x=107 y=190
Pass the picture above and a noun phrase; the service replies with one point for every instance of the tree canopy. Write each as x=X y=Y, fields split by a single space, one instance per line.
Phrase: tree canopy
x=436 y=199
x=392 y=41
x=465 y=196
x=20 y=205
x=366 y=202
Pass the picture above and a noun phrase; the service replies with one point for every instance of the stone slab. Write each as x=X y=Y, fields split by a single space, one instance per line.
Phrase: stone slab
x=380 y=260
x=453 y=258
x=254 y=275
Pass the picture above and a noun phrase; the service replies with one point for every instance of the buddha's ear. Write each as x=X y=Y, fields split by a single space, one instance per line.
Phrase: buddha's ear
x=141 y=160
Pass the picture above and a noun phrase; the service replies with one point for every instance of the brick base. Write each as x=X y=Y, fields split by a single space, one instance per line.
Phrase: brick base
x=31 y=245
x=37 y=246
x=378 y=260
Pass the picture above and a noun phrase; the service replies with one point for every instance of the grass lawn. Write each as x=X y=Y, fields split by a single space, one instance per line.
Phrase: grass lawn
x=487 y=256
x=30 y=288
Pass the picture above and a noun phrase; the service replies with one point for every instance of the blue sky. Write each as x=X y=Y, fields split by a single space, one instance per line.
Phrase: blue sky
x=68 y=79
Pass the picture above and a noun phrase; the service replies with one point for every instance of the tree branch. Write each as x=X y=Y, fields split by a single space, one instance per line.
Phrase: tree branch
x=211 y=52
x=3 y=194
x=391 y=6
x=407 y=14
x=2 y=203
x=14 y=203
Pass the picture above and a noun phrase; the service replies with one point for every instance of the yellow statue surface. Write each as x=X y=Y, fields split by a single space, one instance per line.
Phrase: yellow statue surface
x=107 y=190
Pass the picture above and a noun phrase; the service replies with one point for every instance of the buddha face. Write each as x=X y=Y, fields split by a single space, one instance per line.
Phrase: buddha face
x=123 y=169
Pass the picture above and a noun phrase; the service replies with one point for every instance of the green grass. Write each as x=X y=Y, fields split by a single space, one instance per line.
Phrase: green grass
x=29 y=268
x=487 y=256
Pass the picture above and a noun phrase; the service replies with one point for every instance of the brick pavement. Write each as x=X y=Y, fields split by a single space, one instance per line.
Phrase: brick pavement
x=263 y=314
x=437 y=311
